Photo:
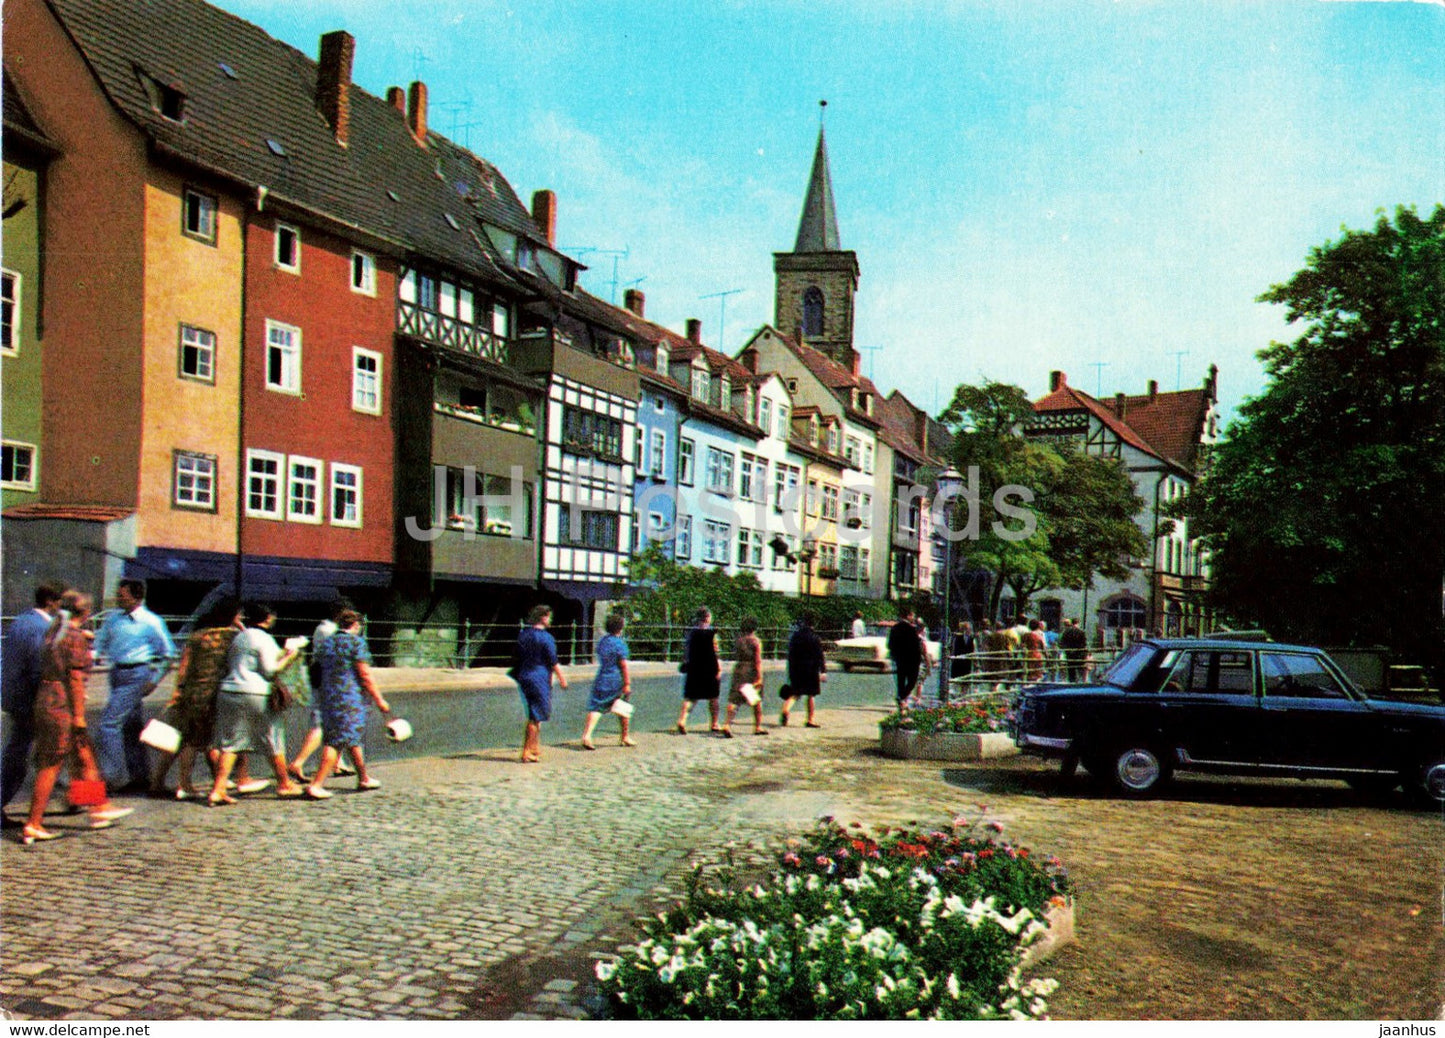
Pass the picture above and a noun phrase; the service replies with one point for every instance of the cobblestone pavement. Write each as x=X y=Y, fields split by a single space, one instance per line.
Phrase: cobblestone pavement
x=470 y=886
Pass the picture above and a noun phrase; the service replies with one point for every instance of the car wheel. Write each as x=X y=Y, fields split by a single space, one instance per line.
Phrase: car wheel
x=847 y=667
x=1139 y=770
x=1432 y=780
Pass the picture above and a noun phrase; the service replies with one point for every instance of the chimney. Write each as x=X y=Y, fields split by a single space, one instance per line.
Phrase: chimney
x=416 y=112
x=1153 y=388
x=1119 y=404
x=920 y=427
x=1057 y=381
x=544 y=214
x=1212 y=383
x=333 y=82
x=396 y=97
x=635 y=302
x=854 y=358
x=749 y=359
x=694 y=330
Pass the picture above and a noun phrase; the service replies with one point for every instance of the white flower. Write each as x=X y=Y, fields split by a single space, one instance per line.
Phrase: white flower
x=659 y=955
x=606 y=970
x=1016 y=1015
x=952 y=987
x=1038 y=1007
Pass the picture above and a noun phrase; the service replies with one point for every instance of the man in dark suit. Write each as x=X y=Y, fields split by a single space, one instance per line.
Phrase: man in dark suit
x=20 y=663
x=1073 y=642
x=906 y=648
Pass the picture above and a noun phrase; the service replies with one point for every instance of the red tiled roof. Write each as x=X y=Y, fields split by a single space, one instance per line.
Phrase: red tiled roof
x=835 y=376
x=1067 y=398
x=80 y=513
x=1172 y=422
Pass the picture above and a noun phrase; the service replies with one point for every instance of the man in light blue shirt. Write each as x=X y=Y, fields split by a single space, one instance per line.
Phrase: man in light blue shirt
x=140 y=649
x=24 y=642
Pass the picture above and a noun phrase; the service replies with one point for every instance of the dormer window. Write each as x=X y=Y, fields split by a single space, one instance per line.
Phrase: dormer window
x=813 y=430
x=166 y=98
x=868 y=403
x=662 y=358
x=701 y=384
x=725 y=394
x=832 y=439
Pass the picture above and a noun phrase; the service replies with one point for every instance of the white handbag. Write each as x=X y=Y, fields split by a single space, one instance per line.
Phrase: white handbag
x=621 y=707
x=161 y=735
x=749 y=693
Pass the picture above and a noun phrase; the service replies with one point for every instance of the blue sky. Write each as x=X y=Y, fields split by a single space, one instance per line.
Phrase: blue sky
x=1028 y=187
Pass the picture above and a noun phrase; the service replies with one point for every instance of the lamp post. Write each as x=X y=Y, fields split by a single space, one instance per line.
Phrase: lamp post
x=806 y=555
x=949 y=481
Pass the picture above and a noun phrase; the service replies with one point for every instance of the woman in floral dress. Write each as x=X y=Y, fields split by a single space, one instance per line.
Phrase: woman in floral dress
x=345 y=665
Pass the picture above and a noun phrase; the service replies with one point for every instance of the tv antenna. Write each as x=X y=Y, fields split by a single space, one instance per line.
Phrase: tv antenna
x=1098 y=367
x=870 y=350
x=722 y=317
x=1179 y=356
x=618 y=255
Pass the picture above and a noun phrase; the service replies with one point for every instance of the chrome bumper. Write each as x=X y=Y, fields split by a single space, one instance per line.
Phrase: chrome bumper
x=1044 y=742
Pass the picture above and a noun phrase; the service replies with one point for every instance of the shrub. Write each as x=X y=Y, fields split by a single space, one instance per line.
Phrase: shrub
x=906 y=925
x=972 y=717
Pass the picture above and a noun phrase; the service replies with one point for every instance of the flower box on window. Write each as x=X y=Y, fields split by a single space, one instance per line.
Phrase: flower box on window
x=456 y=521
x=498 y=526
x=827 y=573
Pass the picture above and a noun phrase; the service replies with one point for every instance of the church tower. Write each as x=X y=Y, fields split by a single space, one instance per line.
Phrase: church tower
x=816 y=282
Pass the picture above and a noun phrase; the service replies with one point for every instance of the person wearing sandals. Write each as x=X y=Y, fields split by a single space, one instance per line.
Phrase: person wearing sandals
x=61 y=732
x=192 y=709
x=535 y=668
x=747 y=670
x=702 y=672
x=806 y=670
x=314 y=735
x=245 y=721
x=613 y=681
x=344 y=663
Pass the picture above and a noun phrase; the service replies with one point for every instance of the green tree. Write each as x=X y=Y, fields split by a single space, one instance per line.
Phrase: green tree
x=1324 y=507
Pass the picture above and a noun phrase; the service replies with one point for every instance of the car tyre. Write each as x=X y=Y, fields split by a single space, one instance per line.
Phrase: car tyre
x=1138 y=769
x=847 y=667
x=1431 y=784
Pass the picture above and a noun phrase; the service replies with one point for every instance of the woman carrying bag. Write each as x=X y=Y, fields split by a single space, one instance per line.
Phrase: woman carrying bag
x=60 y=729
x=344 y=665
x=613 y=682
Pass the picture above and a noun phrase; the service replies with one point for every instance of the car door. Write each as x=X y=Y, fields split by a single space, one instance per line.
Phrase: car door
x=1207 y=704
x=1308 y=718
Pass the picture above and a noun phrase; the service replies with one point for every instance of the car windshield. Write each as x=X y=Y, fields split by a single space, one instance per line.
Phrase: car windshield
x=1126 y=669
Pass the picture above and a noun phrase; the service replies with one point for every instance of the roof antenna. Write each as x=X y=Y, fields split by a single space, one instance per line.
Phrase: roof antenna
x=1179 y=356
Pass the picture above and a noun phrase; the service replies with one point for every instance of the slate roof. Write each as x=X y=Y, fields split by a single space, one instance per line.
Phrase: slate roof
x=244 y=88
x=818 y=227
x=899 y=427
x=1167 y=426
x=20 y=124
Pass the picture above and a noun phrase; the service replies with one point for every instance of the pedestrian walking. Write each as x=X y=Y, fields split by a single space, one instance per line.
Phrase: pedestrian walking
x=61 y=731
x=859 y=628
x=1033 y=649
x=192 y=710
x=702 y=680
x=324 y=630
x=807 y=671
x=997 y=655
x=535 y=668
x=747 y=670
x=1074 y=644
x=248 y=717
x=21 y=662
x=344 y=665
x=1051 y=652
x=140 y=649
x=961 y=662
x=613 y=681
x=906 y=648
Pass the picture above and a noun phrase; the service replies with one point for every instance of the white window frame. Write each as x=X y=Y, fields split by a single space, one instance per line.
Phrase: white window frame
x=713 y=471
x=338 y=468
x=292 y=350
x=199 y=502
x=656 y=523
x=278 y=490
x=358 y=354
x=686 y=462
x=208 y=210
x=657 y=457
x=202 y=348
x=10 y=346
x=31 y=483
x=682 y=543
x=365 y=283
x=725 y=394
x=283 y=229
x=317 y=482
x=868 y=458
x=785 y=425
x=765 y=415
x=715 y=534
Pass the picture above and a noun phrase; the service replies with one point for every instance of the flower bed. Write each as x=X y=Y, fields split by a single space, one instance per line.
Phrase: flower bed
x=974 y=717
x=905 y=924
x=972 y=730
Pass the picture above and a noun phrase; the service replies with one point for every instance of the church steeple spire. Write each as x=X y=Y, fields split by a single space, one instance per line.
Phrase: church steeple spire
x=818 y=229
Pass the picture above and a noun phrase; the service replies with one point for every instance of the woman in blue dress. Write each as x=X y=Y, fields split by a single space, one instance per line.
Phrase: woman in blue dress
x=344 y=663
x=536 y=666
x=613 y=681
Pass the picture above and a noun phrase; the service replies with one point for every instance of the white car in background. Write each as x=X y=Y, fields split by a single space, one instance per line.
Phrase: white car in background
x=871 y=650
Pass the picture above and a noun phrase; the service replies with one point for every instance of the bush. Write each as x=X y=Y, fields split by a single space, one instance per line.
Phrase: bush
x=969 y=718
x=907 y=925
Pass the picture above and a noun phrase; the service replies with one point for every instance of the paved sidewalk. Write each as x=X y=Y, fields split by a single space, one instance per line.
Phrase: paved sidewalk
x=467 y=887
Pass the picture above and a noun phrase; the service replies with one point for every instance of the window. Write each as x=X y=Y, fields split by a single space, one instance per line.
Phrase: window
x=283 y=357
x=303 y=494
x=656 y=524
x=780 y=560
x=1203 y=672
x=814 y=498
x=701 y=384
x=263 y=484
x=830 y=502
x=725 y=394
x=864 y=558
x=10 y=313
x=365 y=381
x=17 y=465
x=194 y=481
x=592 y=529
x=658 y=405
x=198 y=216
x=848 y=562
x=657 y=461
x=719 y=471
x=827 y=557
x=345 y=495
x=363 y=273
x=587 y=431
x=716 y=537
x=832 y=439
x=853 y=450
x=785 y=481
x=750 y=548
x=288 y=248
x=638 y=439
x=785 y=427
x=765 y=416
x=760 y=481
x=746 y=481
x=868 y=457
x=661 y=361
x=683 y=545
x=812 y=312
x=198 y=354
x=684 y=462
x=1124 y=612
x=1298 y=676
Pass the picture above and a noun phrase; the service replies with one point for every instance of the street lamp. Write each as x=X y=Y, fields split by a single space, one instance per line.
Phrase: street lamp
x=806 y=555
x=949 y=482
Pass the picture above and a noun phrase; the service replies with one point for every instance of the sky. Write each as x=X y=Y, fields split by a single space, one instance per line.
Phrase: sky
x=1102 y=188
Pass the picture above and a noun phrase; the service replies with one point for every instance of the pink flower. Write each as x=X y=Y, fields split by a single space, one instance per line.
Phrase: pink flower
x=792 y=859
x=996 y=826
x=822 y=859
